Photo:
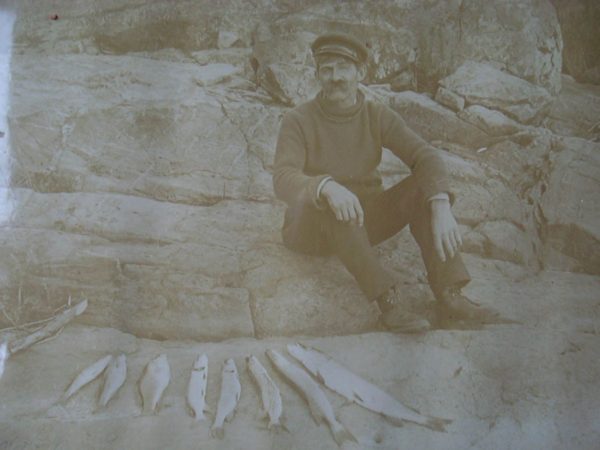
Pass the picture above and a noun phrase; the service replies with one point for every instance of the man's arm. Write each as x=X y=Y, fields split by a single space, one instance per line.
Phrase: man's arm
x=290 y=182
x=430 y=171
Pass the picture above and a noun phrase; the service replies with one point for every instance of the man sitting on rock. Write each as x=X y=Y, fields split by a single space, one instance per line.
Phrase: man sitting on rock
x=326 y=160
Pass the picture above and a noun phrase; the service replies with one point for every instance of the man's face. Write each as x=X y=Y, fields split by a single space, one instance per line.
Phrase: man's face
x=339 y=78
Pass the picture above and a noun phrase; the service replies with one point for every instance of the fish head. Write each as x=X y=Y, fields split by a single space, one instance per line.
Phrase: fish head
x=229 y=366
x=296 y=349
x=160 y=364
x=275 y=357
x=201 y=362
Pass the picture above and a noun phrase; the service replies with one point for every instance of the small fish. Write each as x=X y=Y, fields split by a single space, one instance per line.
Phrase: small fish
x=230 y=395
x=154 y=382
x=88 y=374
x=353 y=388
x=196 y=393
x=3 y=356
x=114 y=379
x=269 y=393
x=319 y=405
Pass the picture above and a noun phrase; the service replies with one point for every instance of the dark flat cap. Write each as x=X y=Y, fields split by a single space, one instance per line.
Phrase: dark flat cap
x=340 y=44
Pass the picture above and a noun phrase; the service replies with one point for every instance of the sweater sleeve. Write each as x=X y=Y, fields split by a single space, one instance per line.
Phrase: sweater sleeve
x=290 y=182
x=424 y=160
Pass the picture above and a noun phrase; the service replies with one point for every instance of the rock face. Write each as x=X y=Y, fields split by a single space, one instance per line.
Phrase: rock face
x=573 y=185
x=579 y=26
x=482 y=84
x=142 y=145
x=416 y=45
x=434 y=121
x=576 y=110
x=452 y=32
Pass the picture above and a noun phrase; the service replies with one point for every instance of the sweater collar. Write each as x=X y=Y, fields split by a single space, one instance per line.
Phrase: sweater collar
x=340 y=113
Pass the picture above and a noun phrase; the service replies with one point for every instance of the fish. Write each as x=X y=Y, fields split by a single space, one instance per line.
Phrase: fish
x=269 y=393
x=355 y=389
x=228 y=400
x=153 y=383
x=87 y=375
x=116 y=373
x=319 y=405
x=3 y=356
x=196 y=393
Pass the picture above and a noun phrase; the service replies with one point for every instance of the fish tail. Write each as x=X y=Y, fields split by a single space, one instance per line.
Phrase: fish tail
x=437 y=424
x=148 y=410
x=341 y=434
x=276 y=427
x=217 y=432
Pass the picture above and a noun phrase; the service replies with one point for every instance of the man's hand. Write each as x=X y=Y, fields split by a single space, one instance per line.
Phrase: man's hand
x=344 y=204
x=446 y=236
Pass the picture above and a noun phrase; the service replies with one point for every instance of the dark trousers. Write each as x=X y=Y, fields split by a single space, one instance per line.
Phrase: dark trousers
x=312 y=231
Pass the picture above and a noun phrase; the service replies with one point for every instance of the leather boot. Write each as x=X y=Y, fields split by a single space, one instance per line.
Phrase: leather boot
x=453 y=308
x=397 y=317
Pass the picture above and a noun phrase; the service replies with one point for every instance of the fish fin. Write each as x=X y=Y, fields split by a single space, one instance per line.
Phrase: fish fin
x=276 y=428
x=341 y=434
x=437 y=424
x=282 y=425
x=217 y=432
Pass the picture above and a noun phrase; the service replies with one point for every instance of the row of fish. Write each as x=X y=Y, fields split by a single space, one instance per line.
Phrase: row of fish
x=157 y=375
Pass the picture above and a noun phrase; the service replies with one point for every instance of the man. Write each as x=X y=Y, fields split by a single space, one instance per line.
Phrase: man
x=326 y=160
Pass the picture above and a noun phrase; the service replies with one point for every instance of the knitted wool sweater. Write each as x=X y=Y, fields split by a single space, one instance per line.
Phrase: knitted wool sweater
x=316 y=142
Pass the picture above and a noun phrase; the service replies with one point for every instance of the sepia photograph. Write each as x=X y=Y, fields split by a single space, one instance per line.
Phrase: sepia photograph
x=299 y=224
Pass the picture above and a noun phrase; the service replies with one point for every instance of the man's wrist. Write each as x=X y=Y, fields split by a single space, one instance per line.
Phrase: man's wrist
x=443 y=196
x=321 y=186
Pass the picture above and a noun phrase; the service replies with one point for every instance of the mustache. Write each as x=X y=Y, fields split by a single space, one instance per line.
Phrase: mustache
x=337 y=84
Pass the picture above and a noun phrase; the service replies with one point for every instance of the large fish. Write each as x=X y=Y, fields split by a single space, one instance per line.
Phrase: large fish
x=88 y=374
x=114 y=379
x=228 y=400
x=196 y=393
x=320 y=408
x=154 y=382
x=352 y=387
x=269 y=393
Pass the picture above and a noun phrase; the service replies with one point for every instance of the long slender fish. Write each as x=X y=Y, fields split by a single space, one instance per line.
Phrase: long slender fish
x=320 y=408
x=269 y=393
x=88 y=374
x=196 y=393
x=353 y=388
x=228 y=400
x=154 y=382
x=114 y=379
